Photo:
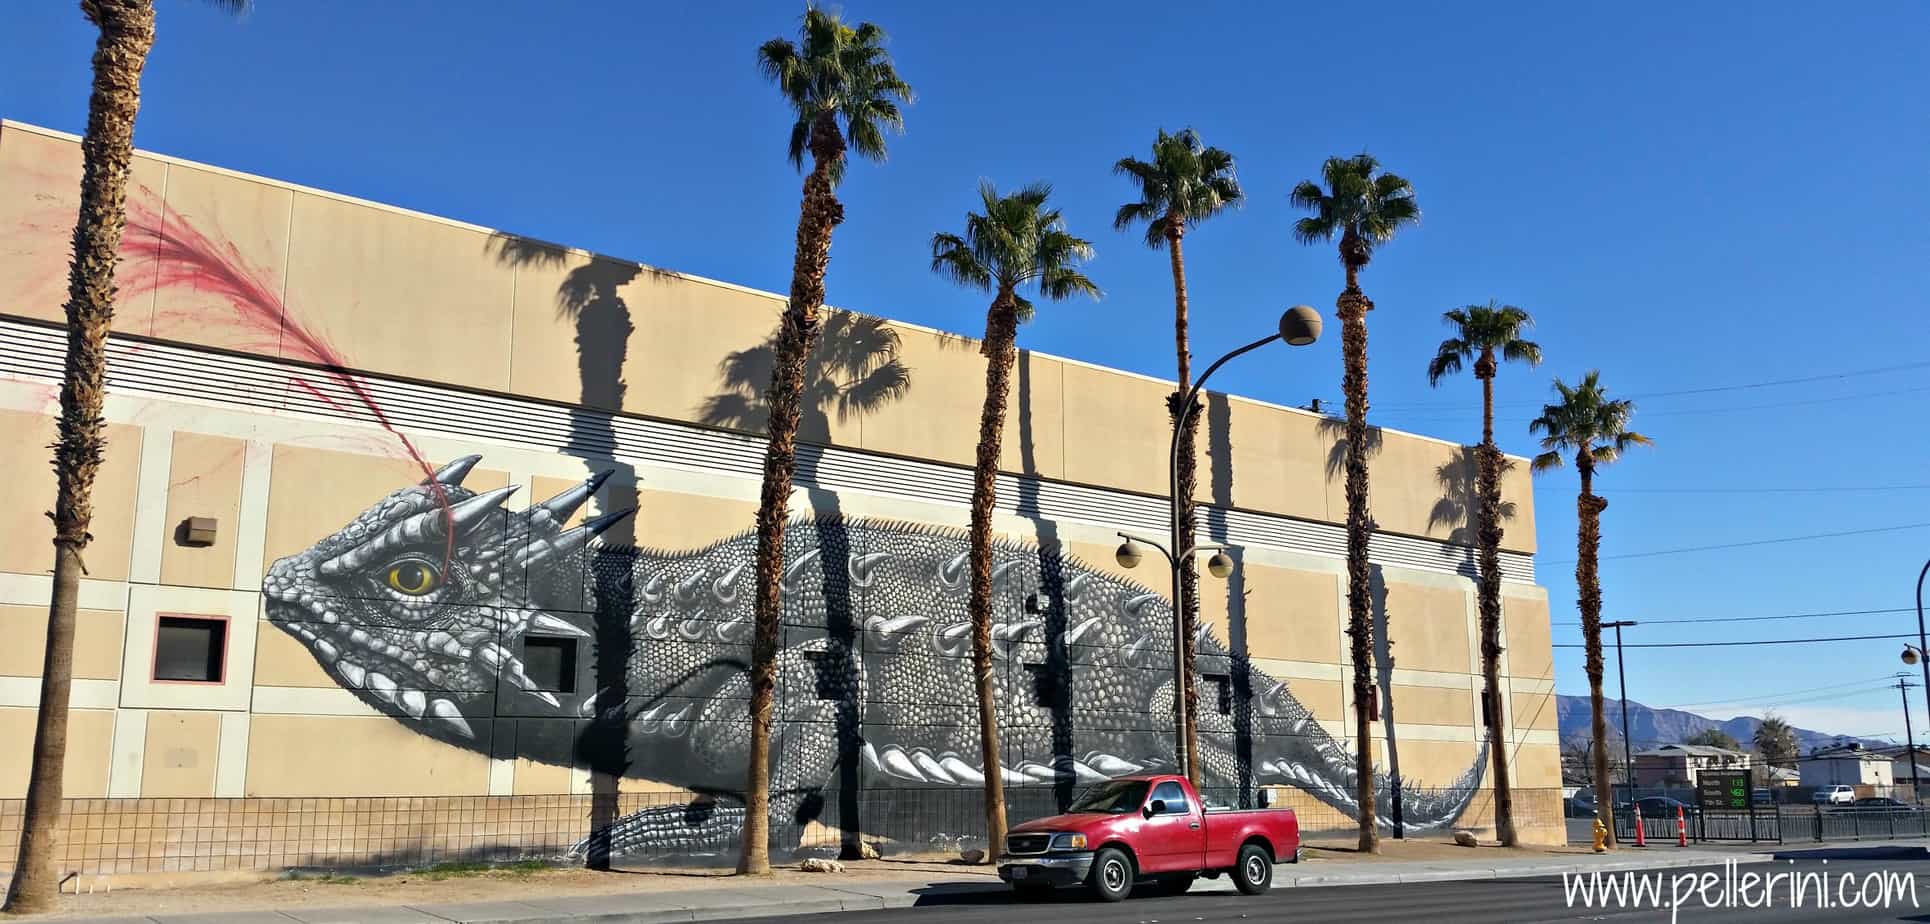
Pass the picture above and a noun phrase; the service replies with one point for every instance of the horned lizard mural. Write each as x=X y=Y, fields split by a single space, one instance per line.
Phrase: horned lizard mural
x=423 y=605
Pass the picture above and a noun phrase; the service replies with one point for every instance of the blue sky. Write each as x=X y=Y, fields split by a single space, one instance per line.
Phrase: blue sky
x=1686 y=197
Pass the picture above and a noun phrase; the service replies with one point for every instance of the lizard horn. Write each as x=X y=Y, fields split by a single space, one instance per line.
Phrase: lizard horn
x=563 y=505
x=453 y=473
x=418 y=529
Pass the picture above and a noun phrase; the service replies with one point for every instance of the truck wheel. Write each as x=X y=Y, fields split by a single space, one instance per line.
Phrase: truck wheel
x=1177 y=884
x=1253 y=875
x=1111 y=878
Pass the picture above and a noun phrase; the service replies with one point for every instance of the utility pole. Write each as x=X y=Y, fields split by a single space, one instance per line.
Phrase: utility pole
x=1621 y=676
x=1903 y=686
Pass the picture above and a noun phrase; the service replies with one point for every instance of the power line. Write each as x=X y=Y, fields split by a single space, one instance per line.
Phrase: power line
x=1712 y=389
x=1762 y=641
x=1712 y=619
x=1689 y=412
x=1831 y=489
x=1752 y=542
x=1759 y=697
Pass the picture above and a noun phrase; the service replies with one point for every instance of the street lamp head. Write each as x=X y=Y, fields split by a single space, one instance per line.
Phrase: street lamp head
x=1219 y=565
x=1300 y=325
x=1909 y=654
x=1127 y=554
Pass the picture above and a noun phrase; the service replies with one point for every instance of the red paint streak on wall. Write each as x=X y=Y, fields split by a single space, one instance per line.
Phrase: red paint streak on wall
x=184 y=256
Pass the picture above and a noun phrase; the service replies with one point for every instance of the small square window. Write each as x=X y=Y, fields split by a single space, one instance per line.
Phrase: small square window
x=190 y=649
x=1220 y=687
x=550 y=663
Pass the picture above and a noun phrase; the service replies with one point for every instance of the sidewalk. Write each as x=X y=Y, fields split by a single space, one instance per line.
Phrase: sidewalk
x=664 y=898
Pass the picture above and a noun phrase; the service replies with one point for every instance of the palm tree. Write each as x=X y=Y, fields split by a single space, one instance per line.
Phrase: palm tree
x=835 y=72
x=1185 y=182
x=107 y=154
x=1366 y=207
x=1776 y=741
x=1483 y=333
x=1586 y=422
x=1016 y=242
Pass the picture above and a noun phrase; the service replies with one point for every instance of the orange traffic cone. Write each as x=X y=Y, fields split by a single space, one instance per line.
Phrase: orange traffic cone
x=1681 y=829
x=1640 y=841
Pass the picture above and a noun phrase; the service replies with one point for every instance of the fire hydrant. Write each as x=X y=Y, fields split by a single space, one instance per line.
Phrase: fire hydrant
x=1601 y=836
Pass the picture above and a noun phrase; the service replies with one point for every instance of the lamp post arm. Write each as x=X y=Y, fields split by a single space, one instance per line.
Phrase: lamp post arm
x=1185 y=412
x=1923 y=656
x=1129 y=537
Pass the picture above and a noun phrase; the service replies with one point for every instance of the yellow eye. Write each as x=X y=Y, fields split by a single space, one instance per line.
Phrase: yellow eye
x=414 y=578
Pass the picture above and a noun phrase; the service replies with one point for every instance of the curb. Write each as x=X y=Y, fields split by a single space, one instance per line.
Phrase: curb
x=1320 y=880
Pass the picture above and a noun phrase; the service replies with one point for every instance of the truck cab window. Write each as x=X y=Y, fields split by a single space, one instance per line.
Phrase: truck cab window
x=1174 y=797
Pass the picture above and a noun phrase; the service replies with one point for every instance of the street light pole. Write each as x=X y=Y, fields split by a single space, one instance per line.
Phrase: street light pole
x=1923 y=645
x=1299 y=326
x=1909 y=737
x=1621 y=676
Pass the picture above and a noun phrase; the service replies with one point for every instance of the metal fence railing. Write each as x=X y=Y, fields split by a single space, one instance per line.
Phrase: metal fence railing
x=1780 y=824
x=97 y=836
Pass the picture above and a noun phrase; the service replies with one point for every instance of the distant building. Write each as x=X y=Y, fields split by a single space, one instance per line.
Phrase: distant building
x=1850 y=764
x=1908 y=766
x=1679 y=764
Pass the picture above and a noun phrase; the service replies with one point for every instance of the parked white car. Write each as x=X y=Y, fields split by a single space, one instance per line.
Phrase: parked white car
x=1839 y=794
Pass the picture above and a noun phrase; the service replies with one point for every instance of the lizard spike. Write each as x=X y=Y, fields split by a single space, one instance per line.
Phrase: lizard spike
x=951 y=573
x=732 y=630
x=417 y=529
x=453 y=473
x=930 y=767
x=1076 y=587
x=544 y=622
x=859 y=567
x=658 y=627
x=1004 y=568
x=1133 y=605
x=451 y=718
x=1112 y=766
x=567 y=542
x=1136 y=651
x=887 y=628
x=687 y=589
x=1038 y=773
x=499 y=658
x=951 y=640
x=678 y=723
x=653 y=589
x=692 y=628
x=870 y=755
x=1083 y=629
x=961 y=771
x=725 y=587
x=796 y=568
x=563 y=505
x=900 y=766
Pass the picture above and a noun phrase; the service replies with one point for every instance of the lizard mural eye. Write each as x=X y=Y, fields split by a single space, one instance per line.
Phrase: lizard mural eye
x=413 y=577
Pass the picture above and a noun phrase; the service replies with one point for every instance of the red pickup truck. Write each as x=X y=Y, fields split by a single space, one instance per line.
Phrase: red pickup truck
x=1148 y=827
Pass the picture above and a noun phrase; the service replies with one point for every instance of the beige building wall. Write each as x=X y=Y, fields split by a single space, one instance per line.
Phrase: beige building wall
x=383 y=287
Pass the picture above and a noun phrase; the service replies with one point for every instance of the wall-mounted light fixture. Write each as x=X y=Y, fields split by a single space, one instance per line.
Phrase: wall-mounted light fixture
x=198 y=531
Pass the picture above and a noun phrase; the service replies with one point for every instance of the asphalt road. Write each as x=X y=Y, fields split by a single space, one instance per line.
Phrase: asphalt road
x=1524 y=900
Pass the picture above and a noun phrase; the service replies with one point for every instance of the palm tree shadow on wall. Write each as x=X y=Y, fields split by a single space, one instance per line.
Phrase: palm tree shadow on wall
x=590 y=298
x=1050 y=594
x=854 y=370
x=1384 y=679
x=1457 y=508
x=1219 y=450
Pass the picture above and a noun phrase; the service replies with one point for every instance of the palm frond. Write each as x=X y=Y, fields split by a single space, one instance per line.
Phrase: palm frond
x=1447 y=360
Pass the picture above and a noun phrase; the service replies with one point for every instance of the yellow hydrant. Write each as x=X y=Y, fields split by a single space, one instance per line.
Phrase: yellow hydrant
x=1601 y=836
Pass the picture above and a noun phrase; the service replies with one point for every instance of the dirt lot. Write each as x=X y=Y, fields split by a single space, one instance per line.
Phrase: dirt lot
x=464 y=883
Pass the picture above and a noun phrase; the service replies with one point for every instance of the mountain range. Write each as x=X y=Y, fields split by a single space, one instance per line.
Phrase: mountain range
x=1649 y=728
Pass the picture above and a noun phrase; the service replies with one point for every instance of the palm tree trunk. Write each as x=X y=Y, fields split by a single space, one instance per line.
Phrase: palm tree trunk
x=1588 y=542
x=1001 y=329
x=126 y=34
x=797 y=333
x=1488 y=492
x=1188 y=604
x=1352 y=308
